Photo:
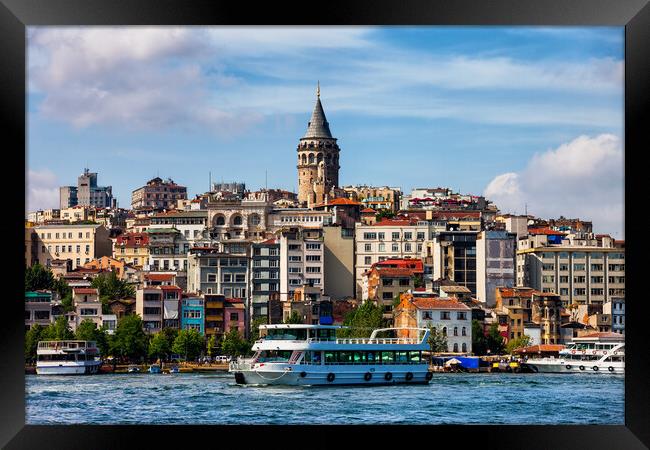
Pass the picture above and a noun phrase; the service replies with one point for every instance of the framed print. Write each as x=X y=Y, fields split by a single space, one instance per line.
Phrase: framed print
x=362 y=219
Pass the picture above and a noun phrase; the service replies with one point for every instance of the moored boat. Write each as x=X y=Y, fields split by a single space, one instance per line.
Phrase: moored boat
x=154 y=368
x=593 y=353
x=67 y=358
x=313 y=355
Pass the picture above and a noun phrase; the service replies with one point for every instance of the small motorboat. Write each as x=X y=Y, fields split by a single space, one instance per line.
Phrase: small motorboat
x=154 y=368
x=173 y=369
x=133 y=369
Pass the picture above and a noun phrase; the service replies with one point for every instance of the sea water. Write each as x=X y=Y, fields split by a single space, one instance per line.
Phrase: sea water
x=450 y=398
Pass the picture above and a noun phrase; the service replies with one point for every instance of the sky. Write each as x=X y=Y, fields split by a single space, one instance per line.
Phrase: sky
x=530 y=117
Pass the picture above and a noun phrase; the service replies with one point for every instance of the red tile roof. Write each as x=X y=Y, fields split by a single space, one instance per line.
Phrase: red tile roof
x=546 y=231
x=517 y=292
x=169 y=288
x=91 y=291
x=540 y=348
x=414 y=264
x=607 y=334
x=159 y=276
x=368 y=211
x=395 y=222
x=338 y=202
x=438 y=303
x=394 y=271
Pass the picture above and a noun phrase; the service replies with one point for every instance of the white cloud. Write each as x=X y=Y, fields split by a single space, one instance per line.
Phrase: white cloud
x=583 y=178
x=226 y=79
x=42 y=190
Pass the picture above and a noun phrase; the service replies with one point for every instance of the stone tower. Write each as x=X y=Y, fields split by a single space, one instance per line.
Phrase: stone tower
x=318 y=159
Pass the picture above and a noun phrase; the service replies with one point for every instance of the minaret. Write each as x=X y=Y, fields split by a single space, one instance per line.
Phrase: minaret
x=317 y=145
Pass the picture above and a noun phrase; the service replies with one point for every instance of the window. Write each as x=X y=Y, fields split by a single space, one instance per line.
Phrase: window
x=395 y=236
x=367 y=260
x=212 y=278
x=564 y=279
x=408 y=236
x=464 y=333
x=240 y=278
x=395 y=247
x=234 y=316
x=579 y=267
x=382 y=247
x=461 y=316
x=548 y=266
x=597 y=267
x=444 y=315
x=564 y=267
x=579 y=291
x=313 y=269
x=312 y=258
x=455 y=331
x=381 y=236
x=227 y=278
x=420 y=236
x=407 y=247
x=312 y=246
x=597 y=291
x=369 y=236
x=368 y=247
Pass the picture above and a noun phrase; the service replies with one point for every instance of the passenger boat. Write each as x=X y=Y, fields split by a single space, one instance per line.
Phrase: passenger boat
x=292 y=354
x=67 y=358
x=593 y=353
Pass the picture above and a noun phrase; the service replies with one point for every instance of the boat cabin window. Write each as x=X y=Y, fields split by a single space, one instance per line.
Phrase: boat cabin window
x=291 y=334
x=323 y=334
x=59 y=357
x=371 y=357
x=312 y=358
x=274 y=355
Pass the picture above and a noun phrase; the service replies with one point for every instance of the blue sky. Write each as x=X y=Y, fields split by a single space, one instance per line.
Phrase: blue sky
x=529 y=115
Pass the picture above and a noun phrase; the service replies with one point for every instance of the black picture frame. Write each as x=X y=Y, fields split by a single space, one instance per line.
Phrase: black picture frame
x=15 y=15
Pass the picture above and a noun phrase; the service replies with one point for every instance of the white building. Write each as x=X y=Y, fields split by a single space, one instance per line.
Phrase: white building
x=301 y=260
x=385 y=240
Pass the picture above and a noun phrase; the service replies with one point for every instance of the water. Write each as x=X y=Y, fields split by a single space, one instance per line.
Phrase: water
x=450 y=398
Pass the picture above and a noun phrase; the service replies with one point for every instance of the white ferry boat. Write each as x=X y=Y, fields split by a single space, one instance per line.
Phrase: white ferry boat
x=593 y=353
x=312 y=355
x=67 y=358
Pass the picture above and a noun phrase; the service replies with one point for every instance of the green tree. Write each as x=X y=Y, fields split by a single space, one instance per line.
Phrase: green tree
x=129 y=339
x=494 y=340
x=437 y=341
x=211 y=346
x=384 y=214
x=170 y=335
x=88 y=331
x=294 y=318
x=159 y=346
x=520 y=342
x=111 y=288
x=233 y=344
x=58 y=331
x=38 y=277
x=360 y=322
x=189 y=343
x=32 y=337
x=479 y=343
x=255 y=327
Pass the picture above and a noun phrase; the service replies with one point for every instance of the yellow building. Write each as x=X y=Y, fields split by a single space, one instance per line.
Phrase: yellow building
x=132 y=248
x=107 y=263
x=78 y=243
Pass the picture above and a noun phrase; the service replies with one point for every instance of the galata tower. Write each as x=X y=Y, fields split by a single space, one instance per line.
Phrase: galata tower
x=318 y=159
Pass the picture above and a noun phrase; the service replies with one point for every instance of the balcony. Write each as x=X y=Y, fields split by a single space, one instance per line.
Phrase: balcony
x=214 y=318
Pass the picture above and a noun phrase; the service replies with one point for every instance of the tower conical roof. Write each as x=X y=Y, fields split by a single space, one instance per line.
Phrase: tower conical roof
x=318 y=126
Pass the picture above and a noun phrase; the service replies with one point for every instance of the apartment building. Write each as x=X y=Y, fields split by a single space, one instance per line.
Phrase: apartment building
x=192 y=313
x=78 y=243
x=266 y=276
x=376 y=198
x=401 y=238
x=449 y=316
x=87 y=307
x=579 y=270
x=38 y=309
x=132 y=248
x=301 y=260
x=383 y=285
x=158 y=306
x=158 y=194
x=86 y=193
x=616 y=309
x=338 y=258
x=454 y=258
x=495 y=263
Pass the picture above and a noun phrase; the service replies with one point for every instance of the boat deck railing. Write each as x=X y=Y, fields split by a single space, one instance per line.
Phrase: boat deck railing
x=378 y=341
x=68 y=345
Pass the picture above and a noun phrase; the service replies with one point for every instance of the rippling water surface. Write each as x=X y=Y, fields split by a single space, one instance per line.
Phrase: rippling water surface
x=216 y=399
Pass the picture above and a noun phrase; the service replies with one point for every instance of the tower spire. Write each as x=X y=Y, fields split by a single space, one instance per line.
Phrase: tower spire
x=318 y=89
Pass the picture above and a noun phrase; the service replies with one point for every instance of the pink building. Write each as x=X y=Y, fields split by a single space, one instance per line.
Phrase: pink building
x=234 y=315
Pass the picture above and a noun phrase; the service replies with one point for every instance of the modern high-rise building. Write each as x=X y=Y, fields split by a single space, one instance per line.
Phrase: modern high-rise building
x=86 y=193
x=318 y=159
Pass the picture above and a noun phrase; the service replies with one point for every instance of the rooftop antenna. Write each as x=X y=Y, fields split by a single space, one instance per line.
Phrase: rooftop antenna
x=266 y=180
x=526 y=208
x=210 y=181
